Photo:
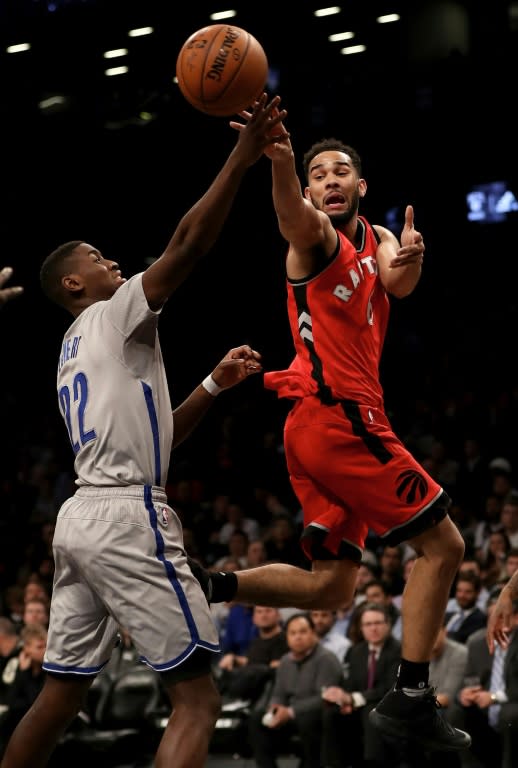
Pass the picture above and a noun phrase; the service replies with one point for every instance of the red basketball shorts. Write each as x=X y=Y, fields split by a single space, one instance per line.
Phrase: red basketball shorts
x=351 y=474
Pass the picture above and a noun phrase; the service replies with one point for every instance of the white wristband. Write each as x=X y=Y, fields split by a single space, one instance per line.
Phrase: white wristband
x=210 y=385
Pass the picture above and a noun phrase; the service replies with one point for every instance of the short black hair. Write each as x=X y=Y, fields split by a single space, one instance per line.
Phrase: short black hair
x=329 y=145
x=53 y=269
x=300 y=615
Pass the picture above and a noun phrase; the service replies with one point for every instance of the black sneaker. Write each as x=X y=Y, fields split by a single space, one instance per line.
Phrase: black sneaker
x=418 y=720
x=203 y=577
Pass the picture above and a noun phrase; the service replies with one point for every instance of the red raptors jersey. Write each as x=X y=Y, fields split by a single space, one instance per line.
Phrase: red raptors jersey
x=338 y=319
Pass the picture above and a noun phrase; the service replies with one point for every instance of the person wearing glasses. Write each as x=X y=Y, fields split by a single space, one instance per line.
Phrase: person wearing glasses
x=370 y=667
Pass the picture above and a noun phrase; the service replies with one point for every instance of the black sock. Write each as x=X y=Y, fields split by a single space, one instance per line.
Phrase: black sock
x=223 y=586
x=413 y=674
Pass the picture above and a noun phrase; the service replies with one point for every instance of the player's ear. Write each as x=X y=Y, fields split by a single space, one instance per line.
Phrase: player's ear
x=362 y=187
x=307 y=193
x=72 y=282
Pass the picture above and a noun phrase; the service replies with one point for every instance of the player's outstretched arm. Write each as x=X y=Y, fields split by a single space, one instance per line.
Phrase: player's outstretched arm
x=299 y=221
x=499 y=623
x=6 y=294
x=199 y=228
x=236 y=366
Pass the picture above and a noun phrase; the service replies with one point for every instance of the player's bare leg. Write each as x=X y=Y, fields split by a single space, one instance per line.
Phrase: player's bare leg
x=426 y=594
x=328 y=585
x=36 y=735
x=410 y=710
x=195 y=708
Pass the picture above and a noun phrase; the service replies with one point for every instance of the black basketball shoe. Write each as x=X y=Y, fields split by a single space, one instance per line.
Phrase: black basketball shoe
x=418 y=719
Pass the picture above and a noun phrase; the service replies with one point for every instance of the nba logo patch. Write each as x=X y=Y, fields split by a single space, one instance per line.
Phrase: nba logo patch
x=165 y=517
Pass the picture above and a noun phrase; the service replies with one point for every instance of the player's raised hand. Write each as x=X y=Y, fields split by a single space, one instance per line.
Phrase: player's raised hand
x=6 y=294
x=277 y=133
x=412 y=244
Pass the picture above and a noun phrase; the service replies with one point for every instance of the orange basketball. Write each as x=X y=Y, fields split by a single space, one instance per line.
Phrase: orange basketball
x=221 y=69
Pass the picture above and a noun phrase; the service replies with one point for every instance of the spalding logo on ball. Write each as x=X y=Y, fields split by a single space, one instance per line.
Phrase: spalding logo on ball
x=221 y=69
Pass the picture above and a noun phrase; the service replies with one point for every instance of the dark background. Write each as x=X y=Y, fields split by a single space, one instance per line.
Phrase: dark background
x=429 y=106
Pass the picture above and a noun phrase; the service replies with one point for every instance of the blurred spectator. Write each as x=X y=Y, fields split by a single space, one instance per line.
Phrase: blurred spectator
x=492 y=562
x=366 y=573
x=35 y=588
x=371 y=665
x=36 y=611
x=246 y=677
x=256 y=554
x=14 y=603
x=240 y=630
x=490 y=522
x=282 y=542
x=391 y=568
x=469 y=565
x=443 y=468
x=237 y=547
x=509 y=517
x=377 y=592
x=468 y=617
x=295 y=705
x=343 y=617
x=28 y=680
x=447 y=669
x=324 y=622
x=501 y=477
x=489 y=699
x=10 y=647
x=236 y=520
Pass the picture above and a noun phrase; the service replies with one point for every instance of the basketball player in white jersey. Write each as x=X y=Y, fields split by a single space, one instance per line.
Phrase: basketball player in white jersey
x=118 y=546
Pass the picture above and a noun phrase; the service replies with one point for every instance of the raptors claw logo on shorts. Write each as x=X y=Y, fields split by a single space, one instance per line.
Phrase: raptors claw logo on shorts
x=412 y=486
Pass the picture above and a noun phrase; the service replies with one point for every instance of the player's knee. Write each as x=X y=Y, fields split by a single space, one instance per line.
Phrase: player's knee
x=456 y=548
x=332 y=591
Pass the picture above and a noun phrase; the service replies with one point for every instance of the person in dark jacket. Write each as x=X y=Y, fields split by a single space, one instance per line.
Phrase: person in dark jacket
x=349 y=737
x=295 y=706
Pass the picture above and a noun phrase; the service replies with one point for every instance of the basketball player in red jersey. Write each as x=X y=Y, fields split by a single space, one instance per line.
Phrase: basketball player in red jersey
x=347 y=467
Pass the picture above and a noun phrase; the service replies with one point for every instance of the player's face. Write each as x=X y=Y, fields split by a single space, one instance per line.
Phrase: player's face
x=100 y=277
x=334 y=186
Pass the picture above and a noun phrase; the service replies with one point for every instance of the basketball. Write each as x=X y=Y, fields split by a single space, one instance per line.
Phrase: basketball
x=221 y=69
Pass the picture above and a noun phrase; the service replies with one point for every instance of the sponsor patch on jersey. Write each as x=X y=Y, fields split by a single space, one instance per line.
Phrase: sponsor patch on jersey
x=165 y=517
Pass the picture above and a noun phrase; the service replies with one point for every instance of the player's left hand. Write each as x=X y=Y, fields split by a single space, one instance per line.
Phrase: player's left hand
x=412 y=245
x=237 y=365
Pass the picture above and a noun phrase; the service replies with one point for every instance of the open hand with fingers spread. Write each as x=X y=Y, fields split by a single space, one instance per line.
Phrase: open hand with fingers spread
x=8 y=293
x=276 y=132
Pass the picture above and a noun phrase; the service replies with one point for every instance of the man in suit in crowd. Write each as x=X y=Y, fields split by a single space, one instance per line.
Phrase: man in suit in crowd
x=468 y=617
x=489 y=699
x=328 y=636
x=447 y=675
x=349 y=737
